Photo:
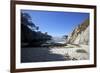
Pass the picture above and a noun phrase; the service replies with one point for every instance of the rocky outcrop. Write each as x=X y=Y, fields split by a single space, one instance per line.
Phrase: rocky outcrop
x=80 y=34
x=30 y=34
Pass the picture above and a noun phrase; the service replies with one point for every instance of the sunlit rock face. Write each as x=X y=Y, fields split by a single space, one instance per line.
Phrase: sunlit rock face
x=80 y=34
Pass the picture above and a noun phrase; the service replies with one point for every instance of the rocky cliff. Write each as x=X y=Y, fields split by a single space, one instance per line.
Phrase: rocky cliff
x=80 y=35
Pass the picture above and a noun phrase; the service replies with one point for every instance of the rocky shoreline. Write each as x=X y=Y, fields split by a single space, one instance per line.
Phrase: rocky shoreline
x=45 y=54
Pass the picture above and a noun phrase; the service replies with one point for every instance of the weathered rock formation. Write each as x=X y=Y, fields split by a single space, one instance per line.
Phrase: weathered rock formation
x=80 y=34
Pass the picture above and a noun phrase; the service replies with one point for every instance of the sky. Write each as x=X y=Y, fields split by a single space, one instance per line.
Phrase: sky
x=56 y=23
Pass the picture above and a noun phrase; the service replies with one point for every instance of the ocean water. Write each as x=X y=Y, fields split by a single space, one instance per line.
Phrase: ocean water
x=58 y=40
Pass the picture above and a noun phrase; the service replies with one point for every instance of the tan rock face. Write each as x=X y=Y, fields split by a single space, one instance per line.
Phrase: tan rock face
x=80 y=34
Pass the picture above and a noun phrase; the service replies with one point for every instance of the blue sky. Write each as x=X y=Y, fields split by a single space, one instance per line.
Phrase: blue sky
x=56 y=23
